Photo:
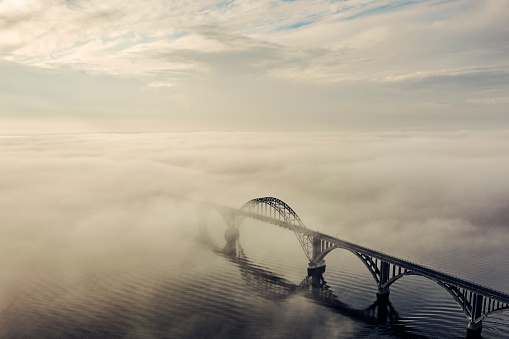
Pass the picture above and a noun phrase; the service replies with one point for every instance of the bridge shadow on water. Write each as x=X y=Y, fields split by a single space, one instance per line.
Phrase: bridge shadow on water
x=380 y=317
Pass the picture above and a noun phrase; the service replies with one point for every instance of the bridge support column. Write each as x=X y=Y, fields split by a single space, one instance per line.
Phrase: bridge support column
x=474 y=327
x=231 y=235
x=315 y=271
x=382 y=293
x=317 y=247
x=230 y=218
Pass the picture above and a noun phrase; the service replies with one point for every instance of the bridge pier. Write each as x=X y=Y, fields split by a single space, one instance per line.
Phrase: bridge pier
x=315 y=271
x=474 y=327
x=382 y=293
x=231 y=235
x=230 y=218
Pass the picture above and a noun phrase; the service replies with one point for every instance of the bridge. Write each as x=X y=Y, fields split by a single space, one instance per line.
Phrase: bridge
x=476 y=301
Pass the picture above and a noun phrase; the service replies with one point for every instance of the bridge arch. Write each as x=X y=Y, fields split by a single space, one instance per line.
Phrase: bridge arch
x=468 y=302
x=371 y=265
x=276 y=211
x=271 y=207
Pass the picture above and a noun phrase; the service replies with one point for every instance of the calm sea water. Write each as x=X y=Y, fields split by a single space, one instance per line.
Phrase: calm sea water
x=183 y=283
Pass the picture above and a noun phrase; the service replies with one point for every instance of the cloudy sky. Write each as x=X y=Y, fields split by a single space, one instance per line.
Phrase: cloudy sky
x=157 y=65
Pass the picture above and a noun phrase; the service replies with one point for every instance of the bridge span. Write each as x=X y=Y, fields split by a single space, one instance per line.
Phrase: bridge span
x=476 y=301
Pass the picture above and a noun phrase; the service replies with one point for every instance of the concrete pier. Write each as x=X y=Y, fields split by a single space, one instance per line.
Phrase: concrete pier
x=315 y=271
x=382 y=294
x=474 y=329
x=231 y=234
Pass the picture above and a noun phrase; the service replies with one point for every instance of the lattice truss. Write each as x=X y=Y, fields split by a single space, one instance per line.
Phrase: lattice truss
x=273 y=209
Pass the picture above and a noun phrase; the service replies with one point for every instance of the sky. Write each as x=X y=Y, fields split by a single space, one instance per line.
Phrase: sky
x=314 y=65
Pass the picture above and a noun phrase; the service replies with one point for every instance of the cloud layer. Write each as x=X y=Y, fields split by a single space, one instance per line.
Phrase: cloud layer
x=354 y=63
x=359 y=185
x=318 y=39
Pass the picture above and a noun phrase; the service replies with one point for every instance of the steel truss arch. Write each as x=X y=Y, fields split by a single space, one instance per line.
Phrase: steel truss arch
x=272 y=208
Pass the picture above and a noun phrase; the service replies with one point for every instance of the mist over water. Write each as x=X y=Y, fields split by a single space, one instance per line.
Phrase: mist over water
x=97 y=239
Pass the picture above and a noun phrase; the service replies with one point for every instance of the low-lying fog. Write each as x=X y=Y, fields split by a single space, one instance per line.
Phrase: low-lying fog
x=409 y=194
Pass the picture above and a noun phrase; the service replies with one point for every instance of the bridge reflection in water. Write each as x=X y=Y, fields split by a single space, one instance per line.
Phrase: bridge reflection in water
x=476 y=301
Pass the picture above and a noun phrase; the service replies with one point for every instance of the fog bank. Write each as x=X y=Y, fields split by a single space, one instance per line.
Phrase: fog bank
x=356 y=185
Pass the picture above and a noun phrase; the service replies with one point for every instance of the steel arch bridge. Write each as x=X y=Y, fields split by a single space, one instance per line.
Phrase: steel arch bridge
x=476 y=301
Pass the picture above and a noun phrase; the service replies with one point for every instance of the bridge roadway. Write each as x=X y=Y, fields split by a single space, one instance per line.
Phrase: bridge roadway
x=416 y=268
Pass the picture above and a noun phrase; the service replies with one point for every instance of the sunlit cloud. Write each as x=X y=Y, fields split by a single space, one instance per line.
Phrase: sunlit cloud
x=120 y=38
x=365 y=51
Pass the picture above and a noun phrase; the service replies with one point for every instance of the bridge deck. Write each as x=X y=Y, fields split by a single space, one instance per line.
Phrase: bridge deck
x=416 y=268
